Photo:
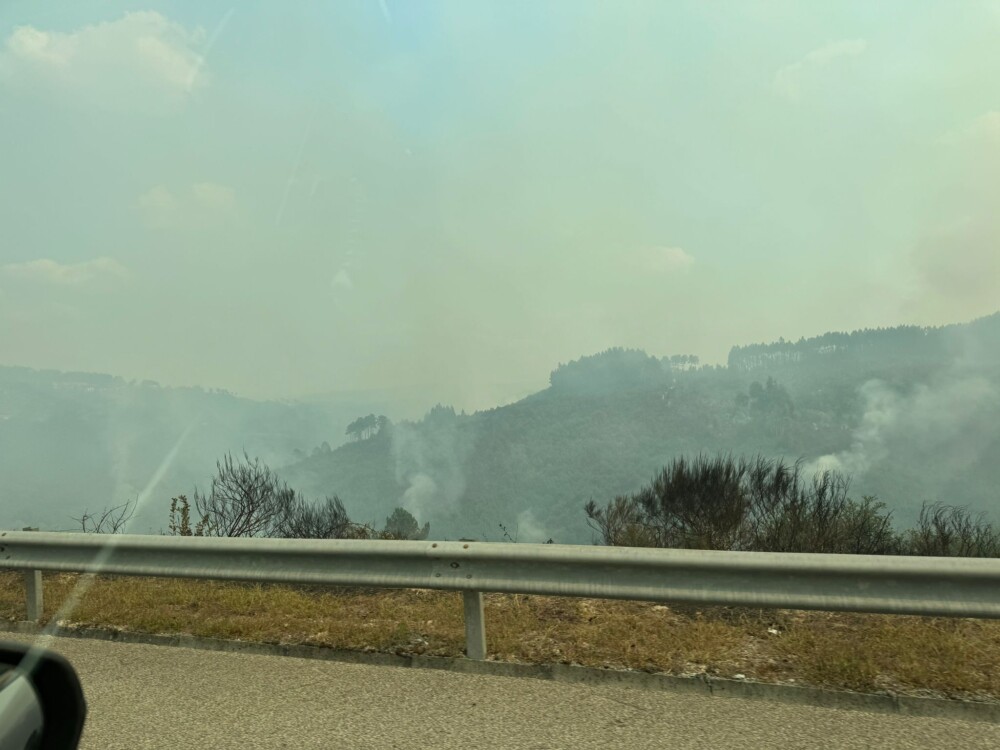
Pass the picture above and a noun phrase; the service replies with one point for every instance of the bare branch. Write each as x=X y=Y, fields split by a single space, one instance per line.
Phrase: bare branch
x=110 y=521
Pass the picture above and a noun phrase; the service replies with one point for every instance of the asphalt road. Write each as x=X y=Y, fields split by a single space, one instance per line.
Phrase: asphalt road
x=169 y=697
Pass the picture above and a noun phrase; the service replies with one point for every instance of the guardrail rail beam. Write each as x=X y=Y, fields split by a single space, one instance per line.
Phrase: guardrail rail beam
x=884 y=584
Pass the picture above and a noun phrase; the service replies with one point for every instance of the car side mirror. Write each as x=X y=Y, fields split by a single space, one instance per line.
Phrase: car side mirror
x=41 y=700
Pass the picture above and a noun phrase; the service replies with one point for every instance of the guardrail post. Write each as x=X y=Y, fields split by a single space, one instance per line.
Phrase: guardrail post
x=475 y=625
x=33 y=589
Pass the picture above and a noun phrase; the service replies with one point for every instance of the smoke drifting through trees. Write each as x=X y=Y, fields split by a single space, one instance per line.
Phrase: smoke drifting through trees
x=430 y=460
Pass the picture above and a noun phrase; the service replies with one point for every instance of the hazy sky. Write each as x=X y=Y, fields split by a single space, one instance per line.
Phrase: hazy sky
x=283 y=198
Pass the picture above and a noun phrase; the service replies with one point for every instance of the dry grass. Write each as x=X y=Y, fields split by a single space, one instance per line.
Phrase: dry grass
x=871 y=653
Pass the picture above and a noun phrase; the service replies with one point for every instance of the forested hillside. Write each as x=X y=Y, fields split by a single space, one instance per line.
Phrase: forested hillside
x=912 y=414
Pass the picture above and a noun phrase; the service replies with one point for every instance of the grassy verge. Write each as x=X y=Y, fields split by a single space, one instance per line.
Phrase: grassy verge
x=939 y=657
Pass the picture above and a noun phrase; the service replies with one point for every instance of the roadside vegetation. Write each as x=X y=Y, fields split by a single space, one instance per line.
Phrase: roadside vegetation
x=950 y=658
x=763 y=505
x=721 y=503
x=247 y=499
x=717 y=503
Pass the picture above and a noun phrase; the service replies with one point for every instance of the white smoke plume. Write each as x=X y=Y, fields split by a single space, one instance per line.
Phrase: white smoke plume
x=529 y=529
x=430 y=460
x=882 y=409
x=947 y=421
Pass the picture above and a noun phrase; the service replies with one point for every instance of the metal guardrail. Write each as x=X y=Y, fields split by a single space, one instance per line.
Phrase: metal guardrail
x=930 y=586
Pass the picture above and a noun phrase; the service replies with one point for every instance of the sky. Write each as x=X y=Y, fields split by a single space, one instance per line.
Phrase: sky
x=284 y=199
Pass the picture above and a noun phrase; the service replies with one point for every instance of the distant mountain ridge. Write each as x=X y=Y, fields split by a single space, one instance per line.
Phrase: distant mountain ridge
x=71 y=441
x=912 y=342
